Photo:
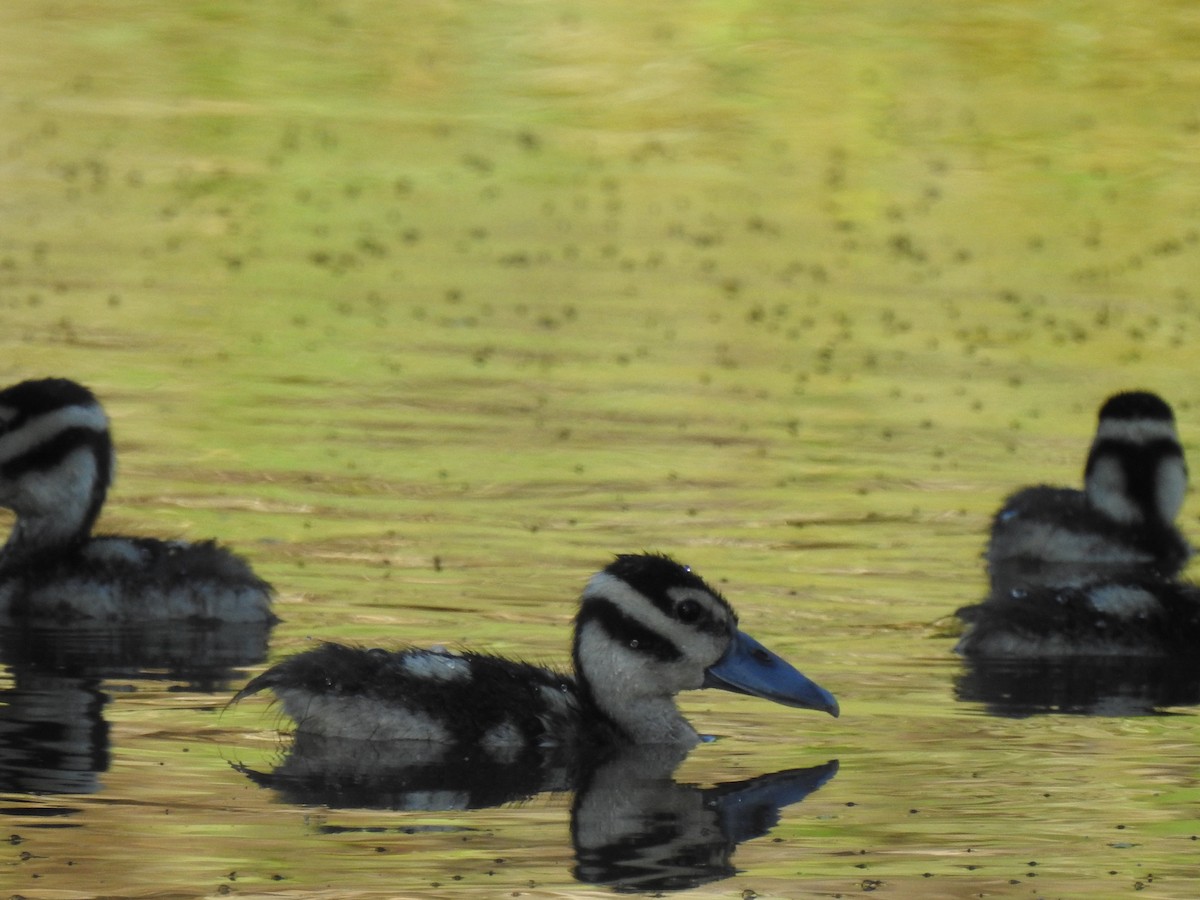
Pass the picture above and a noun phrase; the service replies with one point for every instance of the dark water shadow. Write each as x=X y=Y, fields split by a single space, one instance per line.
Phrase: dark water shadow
x=633 y=827
x=203 y=656
x=54 y=738
x=53 y=735
x=1091 y=686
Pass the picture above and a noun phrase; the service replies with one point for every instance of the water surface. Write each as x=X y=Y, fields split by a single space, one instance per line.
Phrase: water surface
x=428 y=311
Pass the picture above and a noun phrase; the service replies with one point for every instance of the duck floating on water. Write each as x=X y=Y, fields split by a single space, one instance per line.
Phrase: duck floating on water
x=647 y=628
x=1092 y=572
x=1134 y=484
x=56 y=465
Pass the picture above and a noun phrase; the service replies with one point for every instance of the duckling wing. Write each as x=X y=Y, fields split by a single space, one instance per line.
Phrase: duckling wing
x=423 y=695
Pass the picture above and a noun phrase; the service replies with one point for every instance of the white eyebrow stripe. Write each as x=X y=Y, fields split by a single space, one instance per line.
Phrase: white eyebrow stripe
x=43 y=427
x=631 y=603
x=618 y=592
x=1136 y=431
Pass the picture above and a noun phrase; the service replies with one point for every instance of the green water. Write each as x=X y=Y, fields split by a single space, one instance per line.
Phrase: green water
x=430 y=308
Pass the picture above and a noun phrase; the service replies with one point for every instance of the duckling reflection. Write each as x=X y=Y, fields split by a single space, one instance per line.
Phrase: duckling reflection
x=53 y=736
x=1090 y=686
x=664 y=836
x=203 y=656
x=633 y=827
x=56 y=465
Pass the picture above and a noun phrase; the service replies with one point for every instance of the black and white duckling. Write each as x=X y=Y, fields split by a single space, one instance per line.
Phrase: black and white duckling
x=1091 y=573
x=1123 y=520
x=647 y=628
x=56 y=464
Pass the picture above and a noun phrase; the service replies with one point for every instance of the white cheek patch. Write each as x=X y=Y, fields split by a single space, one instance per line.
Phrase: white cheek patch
x=56 y=502
x=1108 y=491
x=599 y=653
x=1170 y=486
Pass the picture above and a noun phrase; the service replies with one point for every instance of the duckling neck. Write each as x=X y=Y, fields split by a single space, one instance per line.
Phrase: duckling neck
x=1142 y=488
x=658 y=721
x=643 y=721
x=619 y=700
x=57 y=509
x=33 y=540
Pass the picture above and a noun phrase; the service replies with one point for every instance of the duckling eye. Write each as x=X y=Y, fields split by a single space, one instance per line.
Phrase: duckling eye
x=688 y=611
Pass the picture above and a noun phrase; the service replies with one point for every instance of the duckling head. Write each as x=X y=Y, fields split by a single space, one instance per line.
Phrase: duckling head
x=1135 y=471
x=56 y=463
x=649 y=628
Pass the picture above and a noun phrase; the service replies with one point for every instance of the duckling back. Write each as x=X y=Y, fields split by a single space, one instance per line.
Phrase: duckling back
x=468 y=699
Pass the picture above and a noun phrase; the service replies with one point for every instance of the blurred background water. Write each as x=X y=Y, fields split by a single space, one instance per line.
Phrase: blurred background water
x=430 y=308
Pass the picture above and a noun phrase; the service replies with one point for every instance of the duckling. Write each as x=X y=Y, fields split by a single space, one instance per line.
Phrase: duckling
x=1124 y=519
x=56 y=464
x=1091 y=573
x=647 y=628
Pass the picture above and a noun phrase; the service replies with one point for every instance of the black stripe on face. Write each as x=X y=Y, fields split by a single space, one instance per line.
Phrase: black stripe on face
x=626 y=630
x=49 y=454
